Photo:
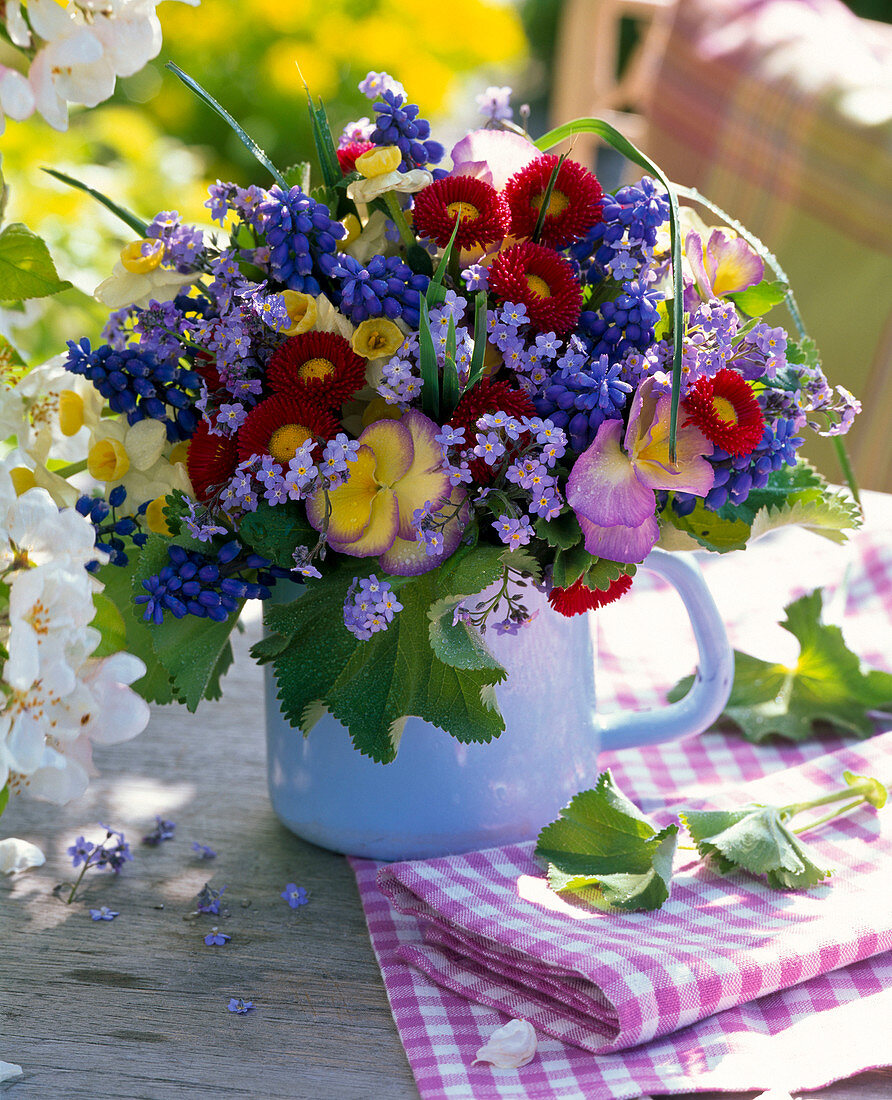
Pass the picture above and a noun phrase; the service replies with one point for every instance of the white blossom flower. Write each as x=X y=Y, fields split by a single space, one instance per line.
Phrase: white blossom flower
x=16 y=96
x=16 y=24
x=124 y=288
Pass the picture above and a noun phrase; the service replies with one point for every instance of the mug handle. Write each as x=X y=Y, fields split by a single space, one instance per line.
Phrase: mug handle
x=714 y=676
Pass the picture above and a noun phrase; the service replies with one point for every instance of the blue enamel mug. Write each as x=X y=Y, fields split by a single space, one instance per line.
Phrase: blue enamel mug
x=440 y=796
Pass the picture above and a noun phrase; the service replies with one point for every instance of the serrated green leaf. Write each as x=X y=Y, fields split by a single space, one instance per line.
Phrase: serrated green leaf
x=569 y=565
x=706 y=528
x=603 y=843
x=828 y=515
x=562 y=532
x=191 y=650
x=275 y=532
x=523 y=561
x=470 y=570
x=601 y=574
x=26 y=267
x=803 y=353
x=827 y=683
x=299 y=175
x=457 y=644
x=759 y=299
x=754 y=839
x=369 y=686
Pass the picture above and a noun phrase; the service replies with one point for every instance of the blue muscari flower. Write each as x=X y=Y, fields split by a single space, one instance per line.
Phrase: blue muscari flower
x=398 y=124
x=138 y=384
x=629 y=223
x=580 y=398
x=385 y=287
x=112 y=533
x=207 y=585
x=737 y=475
x=302 y=237
x=623 y=324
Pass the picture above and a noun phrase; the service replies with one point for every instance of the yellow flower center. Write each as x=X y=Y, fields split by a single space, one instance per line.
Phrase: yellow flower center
x=467 y=211
x=557 y=203
x=724 y=410
x=71 y=412
x=284 y=441
x=138 y=262
x=538 y=286
x=315 y=368
x=108 y=460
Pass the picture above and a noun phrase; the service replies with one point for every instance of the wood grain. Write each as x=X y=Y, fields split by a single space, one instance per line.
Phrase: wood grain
x=136 y=1008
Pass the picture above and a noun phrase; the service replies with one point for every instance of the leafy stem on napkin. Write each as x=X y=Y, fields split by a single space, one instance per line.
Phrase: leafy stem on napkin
x=827 y=684
x=605 y=850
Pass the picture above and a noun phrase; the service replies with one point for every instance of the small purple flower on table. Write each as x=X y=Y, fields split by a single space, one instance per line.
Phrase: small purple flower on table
x=208 y=899
x=295 y=895
x=164 y=830
x=203 y=851
x=216 y=938
x=240 y=1006
x=104 y=913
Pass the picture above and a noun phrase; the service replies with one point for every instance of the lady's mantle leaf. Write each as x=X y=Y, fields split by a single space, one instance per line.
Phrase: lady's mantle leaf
x=26 y=268
x=827 y=683
x=754 y=839
x=604 y=847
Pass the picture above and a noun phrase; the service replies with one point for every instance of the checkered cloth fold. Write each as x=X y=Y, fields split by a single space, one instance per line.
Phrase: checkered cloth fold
x=493 y=932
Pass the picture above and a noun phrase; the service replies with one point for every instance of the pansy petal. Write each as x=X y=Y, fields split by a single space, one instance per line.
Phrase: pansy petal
x=492 y=155
x=351 y=503
x=380 y=531
x=391 y=442
x=731 y=263
x=693 y=253
x=602 y=485
x=619 y=543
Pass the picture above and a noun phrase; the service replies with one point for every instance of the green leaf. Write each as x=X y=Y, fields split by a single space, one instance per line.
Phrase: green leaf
x=803 y=353
x=456 y=643
x=562 y=532
x=603 y=847
x=192 y=650
x=26 y=267
x=759 y=299
x=298 y=174
x=602 y=573
x=325 y=146
x=4 y=798
x=110 y=623
x=370 y=686
x=155 y=686
x=829 y=514
x=451 y=388
x=754 y=839
x=139 y=227
x=827 y=683
x=249 y=143
x=427 y=365
x=419 y=260
x=437 y=281
x=477 y=356
x=705 y=527
x=569 y=565
x=276 y=532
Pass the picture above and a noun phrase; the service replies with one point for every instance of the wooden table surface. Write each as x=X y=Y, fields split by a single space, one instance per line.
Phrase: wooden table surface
x=136 y=1008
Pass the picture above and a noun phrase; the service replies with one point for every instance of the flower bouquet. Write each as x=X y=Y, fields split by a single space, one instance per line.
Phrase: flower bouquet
x=443 y=393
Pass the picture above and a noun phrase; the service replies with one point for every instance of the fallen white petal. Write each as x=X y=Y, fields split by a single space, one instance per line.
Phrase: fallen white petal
x=18 y=855
x=510 y=1047
x=8 y=1069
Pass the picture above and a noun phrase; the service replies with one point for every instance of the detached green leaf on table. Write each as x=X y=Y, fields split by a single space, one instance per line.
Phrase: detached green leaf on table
x=827 y=683
x=754 y=839
x=603 y=848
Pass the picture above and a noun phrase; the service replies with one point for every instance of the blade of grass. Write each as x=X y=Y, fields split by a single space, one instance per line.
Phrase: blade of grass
x=451 y=387
x=244 y=137
x=427 y=362
x=138 y=226
x=480 y=315
x=623 y=145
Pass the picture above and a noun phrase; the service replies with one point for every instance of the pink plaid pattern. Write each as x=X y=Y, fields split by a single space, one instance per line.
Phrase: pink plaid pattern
x=731 y=986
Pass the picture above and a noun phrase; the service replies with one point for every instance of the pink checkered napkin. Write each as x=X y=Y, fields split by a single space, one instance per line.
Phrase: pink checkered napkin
x=494 y=933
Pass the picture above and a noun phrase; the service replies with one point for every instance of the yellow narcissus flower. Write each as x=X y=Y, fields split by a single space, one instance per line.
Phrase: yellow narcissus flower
x=133 y=455
x=376 y=338
x=379 y=161
x=301 y=309
x=143 y=255
x=366 y=190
